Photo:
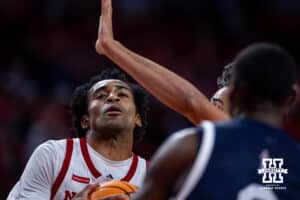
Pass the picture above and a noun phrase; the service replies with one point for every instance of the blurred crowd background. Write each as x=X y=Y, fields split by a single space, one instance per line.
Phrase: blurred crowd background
x=47 y=49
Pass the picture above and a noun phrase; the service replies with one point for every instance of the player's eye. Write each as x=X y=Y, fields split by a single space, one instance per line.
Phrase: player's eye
x=101 y=96
x=123 y=94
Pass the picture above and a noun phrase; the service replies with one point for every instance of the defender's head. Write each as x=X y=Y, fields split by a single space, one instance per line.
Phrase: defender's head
x=263 y=79
x=220 y=98
x=109 y=102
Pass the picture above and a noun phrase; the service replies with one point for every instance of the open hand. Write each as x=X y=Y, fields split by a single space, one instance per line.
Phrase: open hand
x=105 y=30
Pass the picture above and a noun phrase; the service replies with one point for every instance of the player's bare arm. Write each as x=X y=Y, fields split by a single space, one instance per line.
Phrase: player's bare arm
x=166 y=172
x=172 y=90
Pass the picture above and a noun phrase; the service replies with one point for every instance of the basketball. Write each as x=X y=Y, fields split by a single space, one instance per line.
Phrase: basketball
x=111 y=188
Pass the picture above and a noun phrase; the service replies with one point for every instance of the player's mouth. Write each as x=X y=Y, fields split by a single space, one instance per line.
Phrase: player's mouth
x=113 y=110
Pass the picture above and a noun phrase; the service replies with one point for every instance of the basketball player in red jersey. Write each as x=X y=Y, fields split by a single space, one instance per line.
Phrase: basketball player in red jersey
x=169 y=88
x=109 y=115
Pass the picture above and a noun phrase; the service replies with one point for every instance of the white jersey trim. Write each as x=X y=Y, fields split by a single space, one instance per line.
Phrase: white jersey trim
x=201 y=161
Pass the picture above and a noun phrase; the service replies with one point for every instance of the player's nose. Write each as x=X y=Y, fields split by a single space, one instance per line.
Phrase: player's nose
x=112 y=97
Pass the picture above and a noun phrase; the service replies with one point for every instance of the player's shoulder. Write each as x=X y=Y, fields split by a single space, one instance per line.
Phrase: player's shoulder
x=186 y=138
x=141 y=163
x=140 y=157
x=181 y=143
x=184 y=134
x=225 y=126
x=53 y=147
x=53 y=144
x=247 y=125
x=231 y=124
x=213 y=130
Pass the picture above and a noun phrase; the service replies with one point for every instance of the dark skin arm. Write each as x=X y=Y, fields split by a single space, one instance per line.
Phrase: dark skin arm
x=172 y=159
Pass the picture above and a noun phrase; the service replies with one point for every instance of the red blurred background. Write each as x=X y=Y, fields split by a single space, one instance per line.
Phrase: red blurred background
x=47 y=48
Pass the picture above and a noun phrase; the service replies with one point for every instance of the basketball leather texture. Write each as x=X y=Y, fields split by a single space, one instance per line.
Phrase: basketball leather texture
x=112 y=188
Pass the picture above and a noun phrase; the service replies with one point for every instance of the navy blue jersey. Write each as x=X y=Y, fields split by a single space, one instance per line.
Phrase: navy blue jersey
x=244 y=160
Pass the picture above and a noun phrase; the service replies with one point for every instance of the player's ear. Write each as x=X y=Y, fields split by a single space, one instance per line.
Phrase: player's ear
x=291 y=102
x=138 y=120
x=84 y=122
x=232 y=100
x=294 y=94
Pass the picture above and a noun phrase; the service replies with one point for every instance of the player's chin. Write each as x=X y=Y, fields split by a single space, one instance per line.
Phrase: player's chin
x=113 y=119
x=114 y=123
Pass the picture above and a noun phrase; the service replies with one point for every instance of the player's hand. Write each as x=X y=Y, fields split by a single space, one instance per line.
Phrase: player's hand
x=83 y=194
x=105 y=30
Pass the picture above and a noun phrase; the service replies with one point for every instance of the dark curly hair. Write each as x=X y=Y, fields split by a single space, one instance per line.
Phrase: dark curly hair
x=224 y=79
x=79 y=102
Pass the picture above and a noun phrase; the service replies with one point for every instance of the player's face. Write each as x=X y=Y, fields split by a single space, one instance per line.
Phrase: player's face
x=111 y=106
x=221 y=99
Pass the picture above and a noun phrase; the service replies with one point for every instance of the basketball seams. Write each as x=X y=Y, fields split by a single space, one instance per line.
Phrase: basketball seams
x=117 y=187
x=124 y=185
x=114 y=188
x=128 y=185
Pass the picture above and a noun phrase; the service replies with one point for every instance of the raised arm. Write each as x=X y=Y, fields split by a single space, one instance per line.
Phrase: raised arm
x=169 y=88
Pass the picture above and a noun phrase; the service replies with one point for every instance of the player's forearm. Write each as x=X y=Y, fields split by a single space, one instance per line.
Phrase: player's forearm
x=169 y=88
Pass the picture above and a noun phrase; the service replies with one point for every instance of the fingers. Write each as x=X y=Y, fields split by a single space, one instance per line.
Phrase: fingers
x=105 y=30
x=93 y=187
x=106 y=13
x=106 y=8
x=116 y=197
x=87 y=190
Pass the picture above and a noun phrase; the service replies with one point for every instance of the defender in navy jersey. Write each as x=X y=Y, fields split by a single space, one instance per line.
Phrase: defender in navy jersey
x=237 y=153
x=247 y=158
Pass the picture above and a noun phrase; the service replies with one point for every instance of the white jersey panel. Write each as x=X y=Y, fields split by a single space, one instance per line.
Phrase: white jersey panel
x=46 y=162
